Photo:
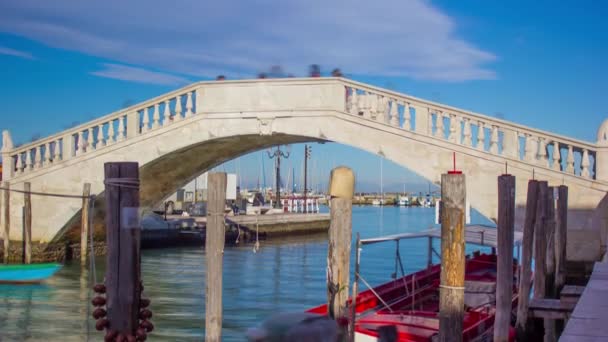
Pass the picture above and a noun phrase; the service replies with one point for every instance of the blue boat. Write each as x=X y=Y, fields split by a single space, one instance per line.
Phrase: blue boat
x=27 y=274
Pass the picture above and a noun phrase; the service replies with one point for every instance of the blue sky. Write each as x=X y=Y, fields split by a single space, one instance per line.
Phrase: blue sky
x=538 y=63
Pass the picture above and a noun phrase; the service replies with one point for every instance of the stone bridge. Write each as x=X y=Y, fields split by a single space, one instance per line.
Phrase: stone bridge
x=183 y=133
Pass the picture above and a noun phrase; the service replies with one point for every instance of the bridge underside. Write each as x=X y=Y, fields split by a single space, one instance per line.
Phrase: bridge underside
x=163 y=176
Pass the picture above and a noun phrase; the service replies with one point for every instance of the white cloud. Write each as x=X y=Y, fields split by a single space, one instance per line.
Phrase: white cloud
x=16 y=53
x=128 y=73
x=235 y=37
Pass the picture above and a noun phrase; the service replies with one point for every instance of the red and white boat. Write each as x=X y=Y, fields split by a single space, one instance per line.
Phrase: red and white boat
x=411 y=303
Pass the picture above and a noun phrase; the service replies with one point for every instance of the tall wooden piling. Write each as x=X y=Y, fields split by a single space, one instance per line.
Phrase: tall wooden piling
x=123 y=236
x=6 y=218
x=504 y=280
x=549 y=324
x=27 y=222
x=214 y=250
x=540 y=242
x=84 y=223
x=341 y=190
x=525 y=280
x=561 y=237
x=451 y=292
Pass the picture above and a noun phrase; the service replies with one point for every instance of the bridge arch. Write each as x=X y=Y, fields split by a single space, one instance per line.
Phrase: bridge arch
x=227 y=119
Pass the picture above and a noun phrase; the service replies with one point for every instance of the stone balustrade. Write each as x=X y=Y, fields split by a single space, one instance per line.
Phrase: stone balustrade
x=108 y=130
x=487 y=134
x=490 y=135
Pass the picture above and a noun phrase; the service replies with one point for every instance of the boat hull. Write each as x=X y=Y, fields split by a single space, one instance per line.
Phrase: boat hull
x=27 y=274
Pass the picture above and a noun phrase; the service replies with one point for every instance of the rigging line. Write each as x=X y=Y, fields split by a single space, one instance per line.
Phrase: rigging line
x=374 y=292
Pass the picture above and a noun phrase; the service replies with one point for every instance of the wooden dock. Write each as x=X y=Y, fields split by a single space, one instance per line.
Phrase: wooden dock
x=589 y=322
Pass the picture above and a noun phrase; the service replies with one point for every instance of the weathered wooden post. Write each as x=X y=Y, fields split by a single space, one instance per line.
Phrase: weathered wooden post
x=84 y=223
x=540 y=242
x=550 y=261
x=123 y=279
x=525 y=280
x=27 y=222
x=214 y=250
x=561 y=237
x=504 y=280
x=341 y=190
x=6 y=219
x=451 y=288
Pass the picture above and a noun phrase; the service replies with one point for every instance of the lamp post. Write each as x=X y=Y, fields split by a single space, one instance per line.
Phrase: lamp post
x=307 y=152
x=278 y=154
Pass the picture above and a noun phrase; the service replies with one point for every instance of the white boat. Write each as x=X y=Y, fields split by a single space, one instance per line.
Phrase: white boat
x=376 y=202
x=404 y=201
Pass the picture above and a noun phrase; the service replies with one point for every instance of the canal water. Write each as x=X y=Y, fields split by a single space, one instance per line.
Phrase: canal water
x=283 y=275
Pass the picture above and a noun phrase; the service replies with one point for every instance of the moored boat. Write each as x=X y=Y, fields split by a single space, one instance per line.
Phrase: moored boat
x=411 y=303
x=27 y=274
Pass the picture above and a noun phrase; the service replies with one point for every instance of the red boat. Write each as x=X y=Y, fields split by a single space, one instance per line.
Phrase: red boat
x=411 y=303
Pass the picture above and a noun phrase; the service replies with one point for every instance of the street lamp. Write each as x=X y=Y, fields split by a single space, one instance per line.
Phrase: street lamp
x=307 y=153
x=278 y=154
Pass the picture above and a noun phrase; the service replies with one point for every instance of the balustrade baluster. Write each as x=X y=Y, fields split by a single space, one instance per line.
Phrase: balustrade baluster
x=121 y=128
x=156 y=117
x=467 y=141
x=394 y=113
x=167 y=114
x=101 y=142
x=556 y=156
x=481 y=136
x=354 y=102
x=529 y=148
x=111 y=135
x=90 y=140
x=178 y=108
x=38 y=157
x=29 y=164
x=439 y=125
x=19 y=163
x=494 y=140
x=47 y=154
x=366 y=105
x=585 y=164
x=189 y=104
x=542 y=152
x=407 y=117
x=57 y=154
x=384 y=110
x=145 y=120
x=570 y=160
x=452 y=136
x=81 y=144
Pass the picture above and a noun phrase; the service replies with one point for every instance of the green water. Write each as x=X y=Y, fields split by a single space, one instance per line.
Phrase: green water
x=284 y=275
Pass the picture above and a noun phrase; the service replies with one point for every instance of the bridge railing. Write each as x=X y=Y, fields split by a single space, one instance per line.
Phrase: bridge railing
x=108 y=130
x=476 y=131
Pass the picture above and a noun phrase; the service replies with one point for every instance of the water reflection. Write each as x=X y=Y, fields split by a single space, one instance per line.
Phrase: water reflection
x=285 y=275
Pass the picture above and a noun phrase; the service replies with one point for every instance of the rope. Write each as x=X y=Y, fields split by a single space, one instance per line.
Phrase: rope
x=43 y=193
x=452 y=287
x=374 y=292
x=130 y=183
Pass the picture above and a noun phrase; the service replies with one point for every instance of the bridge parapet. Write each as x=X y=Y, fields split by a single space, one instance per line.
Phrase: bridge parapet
x=100 y=133
x=483 y=133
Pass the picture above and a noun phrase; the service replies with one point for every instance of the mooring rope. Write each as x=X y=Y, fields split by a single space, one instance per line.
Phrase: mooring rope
x=130 y=183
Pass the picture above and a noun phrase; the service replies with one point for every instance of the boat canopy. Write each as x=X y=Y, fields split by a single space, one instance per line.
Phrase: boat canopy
x=474 y=234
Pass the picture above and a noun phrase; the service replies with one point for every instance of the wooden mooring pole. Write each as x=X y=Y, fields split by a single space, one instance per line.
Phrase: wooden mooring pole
x=341 y=190
x=6 y=219
x=451 y=288
x=549 y=324
x=123 y=233
x=561 y=237
x=540 y=252
x=525 y=280
x=214 y=250
x=504 y=279
x=84 y=223
x=27 y=222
